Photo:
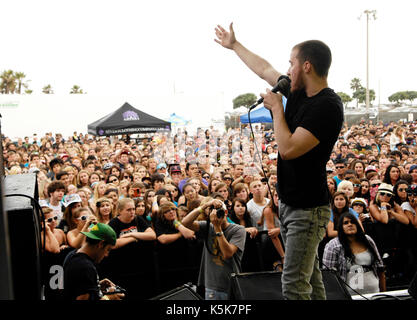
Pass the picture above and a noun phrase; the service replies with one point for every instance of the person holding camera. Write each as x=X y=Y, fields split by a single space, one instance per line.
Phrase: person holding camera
x=223 y=250
x=83 y=220
x=81 y=281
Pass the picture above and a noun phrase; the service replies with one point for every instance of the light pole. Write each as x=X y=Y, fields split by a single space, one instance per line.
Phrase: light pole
x=373 y=13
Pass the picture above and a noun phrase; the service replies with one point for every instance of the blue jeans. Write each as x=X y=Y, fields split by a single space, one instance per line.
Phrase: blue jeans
x=301 y=231
x=216 y=295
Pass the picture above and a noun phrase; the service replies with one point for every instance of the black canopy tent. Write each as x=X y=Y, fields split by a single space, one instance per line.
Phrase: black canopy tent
x=127 y=120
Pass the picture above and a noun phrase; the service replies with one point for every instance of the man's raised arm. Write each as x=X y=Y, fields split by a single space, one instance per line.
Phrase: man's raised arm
x=254 y=62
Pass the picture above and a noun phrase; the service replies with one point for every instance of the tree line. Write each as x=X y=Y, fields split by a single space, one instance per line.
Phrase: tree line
x=13 y=82
x=358 y=94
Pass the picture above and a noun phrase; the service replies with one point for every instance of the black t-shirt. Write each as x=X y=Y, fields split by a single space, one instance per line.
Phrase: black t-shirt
x=80 y=277
x=138 y=224
x=302 y=181
x=162 y=227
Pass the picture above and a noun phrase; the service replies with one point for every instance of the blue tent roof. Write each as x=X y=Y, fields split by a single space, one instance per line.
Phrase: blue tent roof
x=261 y=114
x=178 y=120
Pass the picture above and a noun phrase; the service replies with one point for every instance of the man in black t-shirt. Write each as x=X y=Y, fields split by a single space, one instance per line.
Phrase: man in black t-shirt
x=306 y=133
x=81 y=281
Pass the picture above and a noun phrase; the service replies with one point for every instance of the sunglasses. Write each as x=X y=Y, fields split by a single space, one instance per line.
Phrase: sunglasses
x=206 y=177
x=356 y=185
x=385 y=194
x=339 y=167
x=127 y=177
x=114 y=180
x=402 y=189
x=82 y=218
x=49 y=220
x=227 y=178
x=375 y=185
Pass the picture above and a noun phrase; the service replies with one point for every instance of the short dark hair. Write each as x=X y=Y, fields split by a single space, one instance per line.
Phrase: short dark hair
x=55 y=185
x=317 y=53
x=55 y=161
x=60 y=174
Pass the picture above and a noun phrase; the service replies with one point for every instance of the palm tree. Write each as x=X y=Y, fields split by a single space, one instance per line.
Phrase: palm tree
x=76 y=89
x=8 y=82
x=356 y=87
x=47 y=89
x=19 y=76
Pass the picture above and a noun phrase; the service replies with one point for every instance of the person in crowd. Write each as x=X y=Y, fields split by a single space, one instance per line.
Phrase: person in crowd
x=213 y=184
x=167 y=226
x=140 y=207
x=356 y=187
x=53 y=239
x=56 y=191
x=355 y=257
x=339 y=205
x=241 y=191
x=222 y=254
x=113 y=179
x=400 y=191
x=81 y=281
x=129 y=227
x=83 y=220
x=410 y=206
x=104 y=210
x=239 y=214
x=341 y=168
x=257 y=204
x=384 y=208
x=72 y=203
x=365 y=190
x=346 y=186
x=331 y=184
x=112 y=193
x=83 y=179
x=392 y=174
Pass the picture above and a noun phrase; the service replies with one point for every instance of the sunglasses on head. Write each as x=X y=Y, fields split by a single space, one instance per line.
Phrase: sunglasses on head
x=375 y=185
x=385 y=194
x=49 y=220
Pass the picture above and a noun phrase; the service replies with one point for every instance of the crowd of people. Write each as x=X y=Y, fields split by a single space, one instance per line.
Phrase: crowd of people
x=146 y=188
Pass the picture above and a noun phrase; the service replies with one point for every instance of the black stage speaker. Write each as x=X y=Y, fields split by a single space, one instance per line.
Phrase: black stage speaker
x=267 y=286
x=412 y=289
x=185 y=292
x=24 y=234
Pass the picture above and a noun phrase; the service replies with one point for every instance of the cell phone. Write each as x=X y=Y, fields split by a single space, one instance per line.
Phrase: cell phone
x=136 y=192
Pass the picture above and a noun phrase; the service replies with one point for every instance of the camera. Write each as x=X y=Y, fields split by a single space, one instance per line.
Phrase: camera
x=116 y=290
x=220 y=212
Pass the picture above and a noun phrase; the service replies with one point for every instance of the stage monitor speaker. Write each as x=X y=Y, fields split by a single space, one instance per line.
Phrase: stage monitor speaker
x=24 y=235
x=267 y=286
x=185 y=292
x=412 y=289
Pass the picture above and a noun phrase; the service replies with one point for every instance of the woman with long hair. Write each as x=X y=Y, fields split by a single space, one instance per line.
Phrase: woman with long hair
x=270 y=219
x=355 y=257
x=83 y=219
x=365 y=191
x=392 y=175
x=400 y=192
x=359 y=167
x=167 y=227
x=83 y=179
x=104 y=210
x=339 y=205
x=241 y=190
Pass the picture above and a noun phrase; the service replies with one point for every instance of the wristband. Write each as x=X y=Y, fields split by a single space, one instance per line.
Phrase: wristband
x=177 y=224
x=201 y=210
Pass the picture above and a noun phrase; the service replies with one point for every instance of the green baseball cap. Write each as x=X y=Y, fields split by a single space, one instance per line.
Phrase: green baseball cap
x=101 y=231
